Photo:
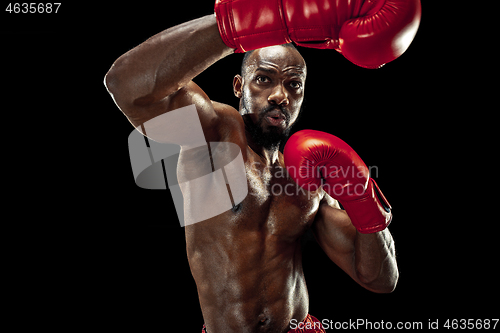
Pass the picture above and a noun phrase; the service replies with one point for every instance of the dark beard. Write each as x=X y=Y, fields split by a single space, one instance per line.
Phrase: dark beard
x=271 y=139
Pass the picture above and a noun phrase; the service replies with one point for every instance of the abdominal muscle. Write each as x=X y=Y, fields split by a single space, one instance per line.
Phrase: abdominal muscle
x=255 y=284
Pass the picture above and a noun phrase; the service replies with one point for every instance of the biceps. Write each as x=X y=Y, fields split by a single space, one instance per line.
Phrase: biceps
x=152 y=115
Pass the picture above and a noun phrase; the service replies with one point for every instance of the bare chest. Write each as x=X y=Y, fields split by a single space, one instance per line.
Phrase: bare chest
x=275 y=203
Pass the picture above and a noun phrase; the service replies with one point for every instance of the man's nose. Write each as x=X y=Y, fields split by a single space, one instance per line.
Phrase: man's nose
x=278 y=96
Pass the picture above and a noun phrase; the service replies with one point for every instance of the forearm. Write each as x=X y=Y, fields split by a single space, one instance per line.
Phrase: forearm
x=166 y=62
x=375 y=261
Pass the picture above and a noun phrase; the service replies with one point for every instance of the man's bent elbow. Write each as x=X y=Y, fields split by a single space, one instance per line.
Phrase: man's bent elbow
x=386 y=288
x=119 y=82
x=118 y=87
x=380 y=285
x=111 y=81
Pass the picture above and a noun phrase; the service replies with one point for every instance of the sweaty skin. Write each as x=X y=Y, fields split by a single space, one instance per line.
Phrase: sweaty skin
x=247 y=262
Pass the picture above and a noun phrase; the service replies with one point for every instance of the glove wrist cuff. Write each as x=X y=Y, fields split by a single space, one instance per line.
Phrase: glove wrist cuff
x=244 y=29
x=371 y=212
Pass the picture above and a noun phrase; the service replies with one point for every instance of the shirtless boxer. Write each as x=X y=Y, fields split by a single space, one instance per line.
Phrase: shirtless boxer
x=247 y=262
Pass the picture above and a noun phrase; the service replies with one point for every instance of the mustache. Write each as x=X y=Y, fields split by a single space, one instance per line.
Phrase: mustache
x=268 y=109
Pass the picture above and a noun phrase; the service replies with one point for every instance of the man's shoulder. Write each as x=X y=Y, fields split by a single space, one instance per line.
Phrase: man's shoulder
x=229 y=118
x=225 y=110
x=230 y=125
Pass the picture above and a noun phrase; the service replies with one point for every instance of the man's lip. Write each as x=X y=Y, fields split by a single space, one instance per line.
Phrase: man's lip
x=276 y=121
x=276 y=114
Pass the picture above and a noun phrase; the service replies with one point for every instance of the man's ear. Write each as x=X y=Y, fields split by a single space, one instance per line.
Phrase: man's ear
x=238 y=85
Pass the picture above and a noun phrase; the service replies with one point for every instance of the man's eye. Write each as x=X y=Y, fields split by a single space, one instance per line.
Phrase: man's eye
x=296 y=84
x=263 y=79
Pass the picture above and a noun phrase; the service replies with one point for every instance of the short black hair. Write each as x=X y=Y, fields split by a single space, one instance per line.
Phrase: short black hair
x=248 y=53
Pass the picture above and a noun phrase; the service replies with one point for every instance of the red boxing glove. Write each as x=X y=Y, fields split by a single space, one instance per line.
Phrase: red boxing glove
x=315 y=159
x=369 y=33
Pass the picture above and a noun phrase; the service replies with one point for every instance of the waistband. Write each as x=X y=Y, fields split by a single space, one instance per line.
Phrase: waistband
x=309 y=325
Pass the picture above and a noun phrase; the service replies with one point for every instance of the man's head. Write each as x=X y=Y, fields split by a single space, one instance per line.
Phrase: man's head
x=271 y=91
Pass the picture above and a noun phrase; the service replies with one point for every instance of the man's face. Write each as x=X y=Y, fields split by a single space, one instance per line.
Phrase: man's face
x=271 y=92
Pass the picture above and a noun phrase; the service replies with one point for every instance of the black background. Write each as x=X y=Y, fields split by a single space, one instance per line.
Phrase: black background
x=87 y=248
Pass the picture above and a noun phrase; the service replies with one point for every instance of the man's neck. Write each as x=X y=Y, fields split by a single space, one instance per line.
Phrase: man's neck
x=270 y=156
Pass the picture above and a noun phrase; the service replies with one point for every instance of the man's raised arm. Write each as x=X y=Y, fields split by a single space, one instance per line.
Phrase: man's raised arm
x=146 y=81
